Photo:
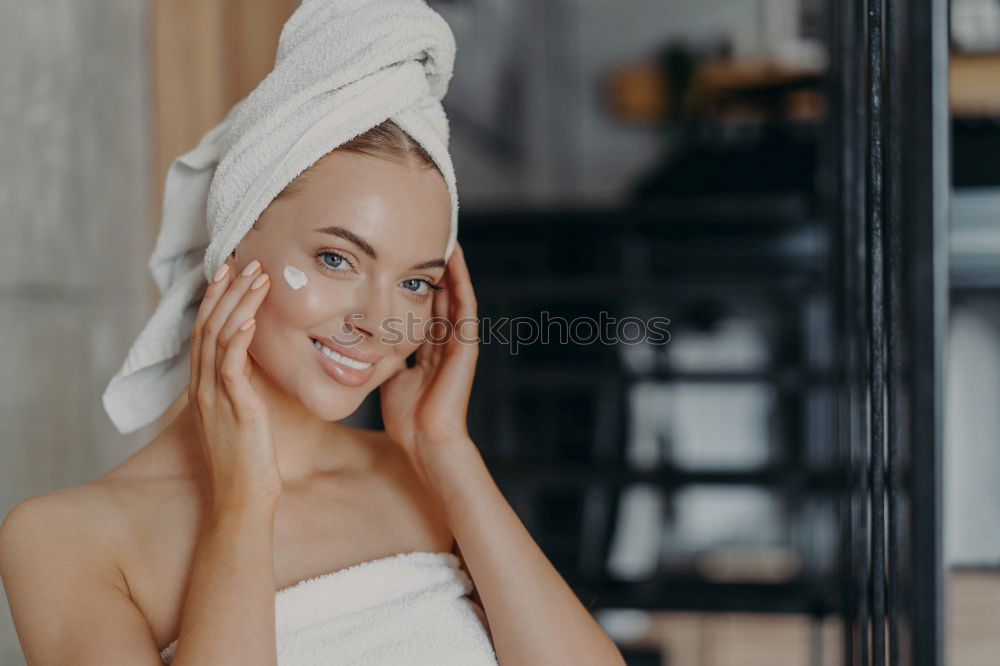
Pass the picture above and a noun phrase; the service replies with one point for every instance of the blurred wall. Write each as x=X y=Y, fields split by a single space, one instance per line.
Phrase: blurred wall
x=74 y=238
x=529 y=120
x=971 y=474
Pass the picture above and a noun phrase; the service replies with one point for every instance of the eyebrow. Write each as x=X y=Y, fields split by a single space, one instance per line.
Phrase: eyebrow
x=366 y=247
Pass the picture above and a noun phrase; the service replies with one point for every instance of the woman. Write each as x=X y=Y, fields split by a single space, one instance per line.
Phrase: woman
x=230 y=536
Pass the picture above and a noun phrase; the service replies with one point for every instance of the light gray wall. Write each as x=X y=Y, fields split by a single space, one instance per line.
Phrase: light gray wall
x=75 y=234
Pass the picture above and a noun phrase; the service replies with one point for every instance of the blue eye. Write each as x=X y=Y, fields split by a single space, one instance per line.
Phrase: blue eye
x=416 y=282
x=339 y=264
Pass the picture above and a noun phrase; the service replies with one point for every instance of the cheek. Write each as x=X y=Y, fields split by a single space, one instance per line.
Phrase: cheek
x=301 y=307
x=417 y=334
x=408 y=329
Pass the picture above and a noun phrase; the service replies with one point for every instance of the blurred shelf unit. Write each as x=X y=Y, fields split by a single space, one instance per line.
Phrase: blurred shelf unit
x=557 y=425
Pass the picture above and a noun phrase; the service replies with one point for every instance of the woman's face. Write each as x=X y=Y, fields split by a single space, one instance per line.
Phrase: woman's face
x=351 y=257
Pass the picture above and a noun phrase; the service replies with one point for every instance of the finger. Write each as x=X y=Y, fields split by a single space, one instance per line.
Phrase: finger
x=444 y=309
x=424 y=353
x=464 y=294
x=457 y=365
x=232 y=370
x=438 y=327
x=218 y=318
x=212 y=295
x=439 y=308
x=464 y=342
x=462 y=308
x=244 y=310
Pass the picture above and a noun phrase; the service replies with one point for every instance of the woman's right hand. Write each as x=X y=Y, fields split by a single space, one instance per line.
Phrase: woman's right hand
x=231 y=418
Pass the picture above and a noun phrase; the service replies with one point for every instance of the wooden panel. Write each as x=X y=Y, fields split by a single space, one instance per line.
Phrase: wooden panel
x=974 y=81
x=973 y=617
x=206 y=55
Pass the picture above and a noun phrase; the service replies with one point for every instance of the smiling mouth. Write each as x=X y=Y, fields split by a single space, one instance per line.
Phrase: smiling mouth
x=340 y=358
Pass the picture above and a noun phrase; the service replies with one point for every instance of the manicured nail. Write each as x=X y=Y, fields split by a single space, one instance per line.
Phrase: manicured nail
x=251 y=267
x=247 y=324
x=220 y=272
x=259 y=282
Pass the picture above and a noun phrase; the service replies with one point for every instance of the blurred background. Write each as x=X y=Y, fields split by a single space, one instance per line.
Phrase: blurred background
x=642 y=157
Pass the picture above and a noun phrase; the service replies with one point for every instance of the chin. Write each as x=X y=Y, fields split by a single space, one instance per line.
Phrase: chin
x=334 y=405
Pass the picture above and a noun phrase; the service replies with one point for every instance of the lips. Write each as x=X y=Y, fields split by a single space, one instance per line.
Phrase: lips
x=350 y=352
x=339 y=371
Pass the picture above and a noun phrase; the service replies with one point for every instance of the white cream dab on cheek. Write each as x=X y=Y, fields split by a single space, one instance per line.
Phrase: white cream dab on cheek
x=294 y=277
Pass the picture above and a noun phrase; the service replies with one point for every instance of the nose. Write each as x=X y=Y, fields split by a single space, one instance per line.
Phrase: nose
x=371 y=313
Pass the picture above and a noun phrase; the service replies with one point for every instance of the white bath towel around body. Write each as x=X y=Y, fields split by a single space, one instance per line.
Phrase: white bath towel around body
x=409 y=609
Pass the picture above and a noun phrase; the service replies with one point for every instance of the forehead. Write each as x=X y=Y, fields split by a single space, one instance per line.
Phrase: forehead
x=399 y=209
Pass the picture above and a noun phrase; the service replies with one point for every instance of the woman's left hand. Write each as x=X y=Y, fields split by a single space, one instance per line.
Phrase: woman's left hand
x=427 y=405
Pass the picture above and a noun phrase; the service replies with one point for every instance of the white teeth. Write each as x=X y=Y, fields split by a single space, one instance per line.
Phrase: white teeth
x=340 y=358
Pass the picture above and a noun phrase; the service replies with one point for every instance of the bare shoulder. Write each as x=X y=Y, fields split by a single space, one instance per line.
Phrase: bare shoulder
x=91 y=519
x=62 y=532
x=59 y=513
x=56 y=557
x=68 y=596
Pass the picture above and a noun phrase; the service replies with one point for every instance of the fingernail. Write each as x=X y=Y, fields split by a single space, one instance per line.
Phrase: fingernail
x=259 y=282
x=247 y=324
x=251 y=267
x=220 y=272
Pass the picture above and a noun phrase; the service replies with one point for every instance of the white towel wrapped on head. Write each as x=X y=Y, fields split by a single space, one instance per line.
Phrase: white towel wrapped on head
x=409 y=609
x=342 y=67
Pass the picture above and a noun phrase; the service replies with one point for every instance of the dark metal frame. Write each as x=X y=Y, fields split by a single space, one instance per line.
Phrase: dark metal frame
x=894 y=233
